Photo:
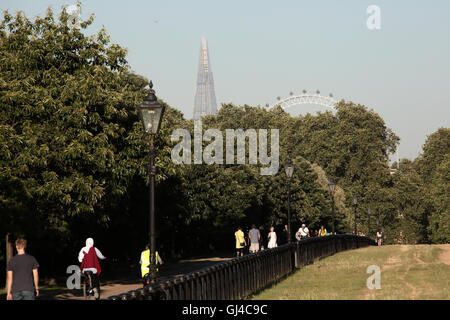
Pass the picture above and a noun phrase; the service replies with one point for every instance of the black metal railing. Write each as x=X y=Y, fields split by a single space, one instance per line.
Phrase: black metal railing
x=240 y=277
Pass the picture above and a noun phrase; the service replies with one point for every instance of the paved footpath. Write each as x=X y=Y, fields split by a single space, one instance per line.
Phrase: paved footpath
x=169 y=270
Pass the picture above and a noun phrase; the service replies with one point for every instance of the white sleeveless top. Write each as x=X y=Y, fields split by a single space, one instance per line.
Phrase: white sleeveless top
x=272 y=241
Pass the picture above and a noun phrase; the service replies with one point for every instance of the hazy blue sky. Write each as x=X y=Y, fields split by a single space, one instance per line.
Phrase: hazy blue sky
x=263 y=49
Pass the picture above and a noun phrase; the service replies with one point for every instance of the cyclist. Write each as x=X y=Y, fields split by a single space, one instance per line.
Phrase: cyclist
x=88 y=257
x=145 y=263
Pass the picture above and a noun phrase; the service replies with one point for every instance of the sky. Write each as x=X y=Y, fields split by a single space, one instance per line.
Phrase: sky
x=263 y=49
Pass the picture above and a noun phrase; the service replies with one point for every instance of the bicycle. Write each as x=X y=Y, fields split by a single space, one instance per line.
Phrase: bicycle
x=90 y=292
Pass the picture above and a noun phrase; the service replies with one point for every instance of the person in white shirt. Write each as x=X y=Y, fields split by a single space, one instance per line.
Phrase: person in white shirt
x=272 y=236
x=302 y=233
x=379 y=237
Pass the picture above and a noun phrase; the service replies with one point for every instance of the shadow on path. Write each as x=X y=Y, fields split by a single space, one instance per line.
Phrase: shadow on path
x=132 y=281
x=127 y=279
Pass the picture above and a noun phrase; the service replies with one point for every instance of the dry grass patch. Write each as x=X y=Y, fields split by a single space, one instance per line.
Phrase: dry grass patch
x=407 y=272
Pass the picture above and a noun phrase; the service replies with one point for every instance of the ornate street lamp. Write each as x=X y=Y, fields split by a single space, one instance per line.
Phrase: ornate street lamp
x=355 y=202
x=151 y=113
x=332 y=187
x=289 y=170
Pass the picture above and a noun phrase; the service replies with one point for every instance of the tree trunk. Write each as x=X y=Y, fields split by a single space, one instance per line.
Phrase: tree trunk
x=172 y=245
x=9 y=252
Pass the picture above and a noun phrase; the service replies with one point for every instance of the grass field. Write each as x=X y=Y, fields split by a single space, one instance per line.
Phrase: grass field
x=408 y=272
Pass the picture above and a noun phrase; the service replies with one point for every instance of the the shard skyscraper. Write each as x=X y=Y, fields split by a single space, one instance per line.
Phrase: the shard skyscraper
x=205 y=95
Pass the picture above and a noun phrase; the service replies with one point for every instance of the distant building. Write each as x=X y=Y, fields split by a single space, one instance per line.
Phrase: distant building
x=205 y=96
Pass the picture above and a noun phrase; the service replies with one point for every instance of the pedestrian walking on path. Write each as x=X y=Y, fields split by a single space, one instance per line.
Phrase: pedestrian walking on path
x=272 y=236
x=22 y=275
x=254 y=236
x=379 y=237
x=302 y=233
x=240 y=242
x=322 y=231
x=284 y=235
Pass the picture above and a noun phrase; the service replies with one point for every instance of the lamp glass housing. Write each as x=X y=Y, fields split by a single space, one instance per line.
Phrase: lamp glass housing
x=289 y=169
x=151 y=113
x=332 y=187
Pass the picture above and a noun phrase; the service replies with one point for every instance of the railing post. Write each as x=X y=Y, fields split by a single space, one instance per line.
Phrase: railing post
x=179 y=287
x=243 y=277
x=226 y=281
x=191 y=286
x=238 y=280
x=269 y=263
x=253 y=272
x=221 y=283
x=214 y=283
x=203 y=285
x=197 y=293
x=235 y=279
x=260 y=282
x=231 y=282
x=199 y=285
x=173 y=290
x=164 y=288
x=248 y=275
x=152 y=293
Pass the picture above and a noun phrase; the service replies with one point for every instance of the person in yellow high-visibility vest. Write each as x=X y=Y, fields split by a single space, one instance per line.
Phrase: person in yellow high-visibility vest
x=322 y=231
x=145 y=260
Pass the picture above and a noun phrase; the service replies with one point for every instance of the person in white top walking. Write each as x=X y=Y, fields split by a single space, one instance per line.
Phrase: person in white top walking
x=302 y=233
x=272 y=236
x=379 y=237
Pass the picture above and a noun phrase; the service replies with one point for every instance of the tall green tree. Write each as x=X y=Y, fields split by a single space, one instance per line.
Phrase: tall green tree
x=408 y=199
x=433 y=166
x=70 y=140
x=439 y=203
x=435 y=151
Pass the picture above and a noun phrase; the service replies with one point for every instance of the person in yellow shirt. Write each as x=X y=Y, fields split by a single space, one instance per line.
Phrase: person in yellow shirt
x=322 y=231
x=240 y=242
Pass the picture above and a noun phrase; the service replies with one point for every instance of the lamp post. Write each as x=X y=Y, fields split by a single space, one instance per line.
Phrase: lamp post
x=151 y=113
x=355 y=202
x=289 y=169
x=368 y=227
x=332 y=187
x=378 y=220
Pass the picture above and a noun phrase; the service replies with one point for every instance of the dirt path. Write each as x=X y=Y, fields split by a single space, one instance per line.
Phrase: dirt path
x=168 y=271
x=445 y=256
x=411 y=286
x=395 y=261
x=392 y=262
